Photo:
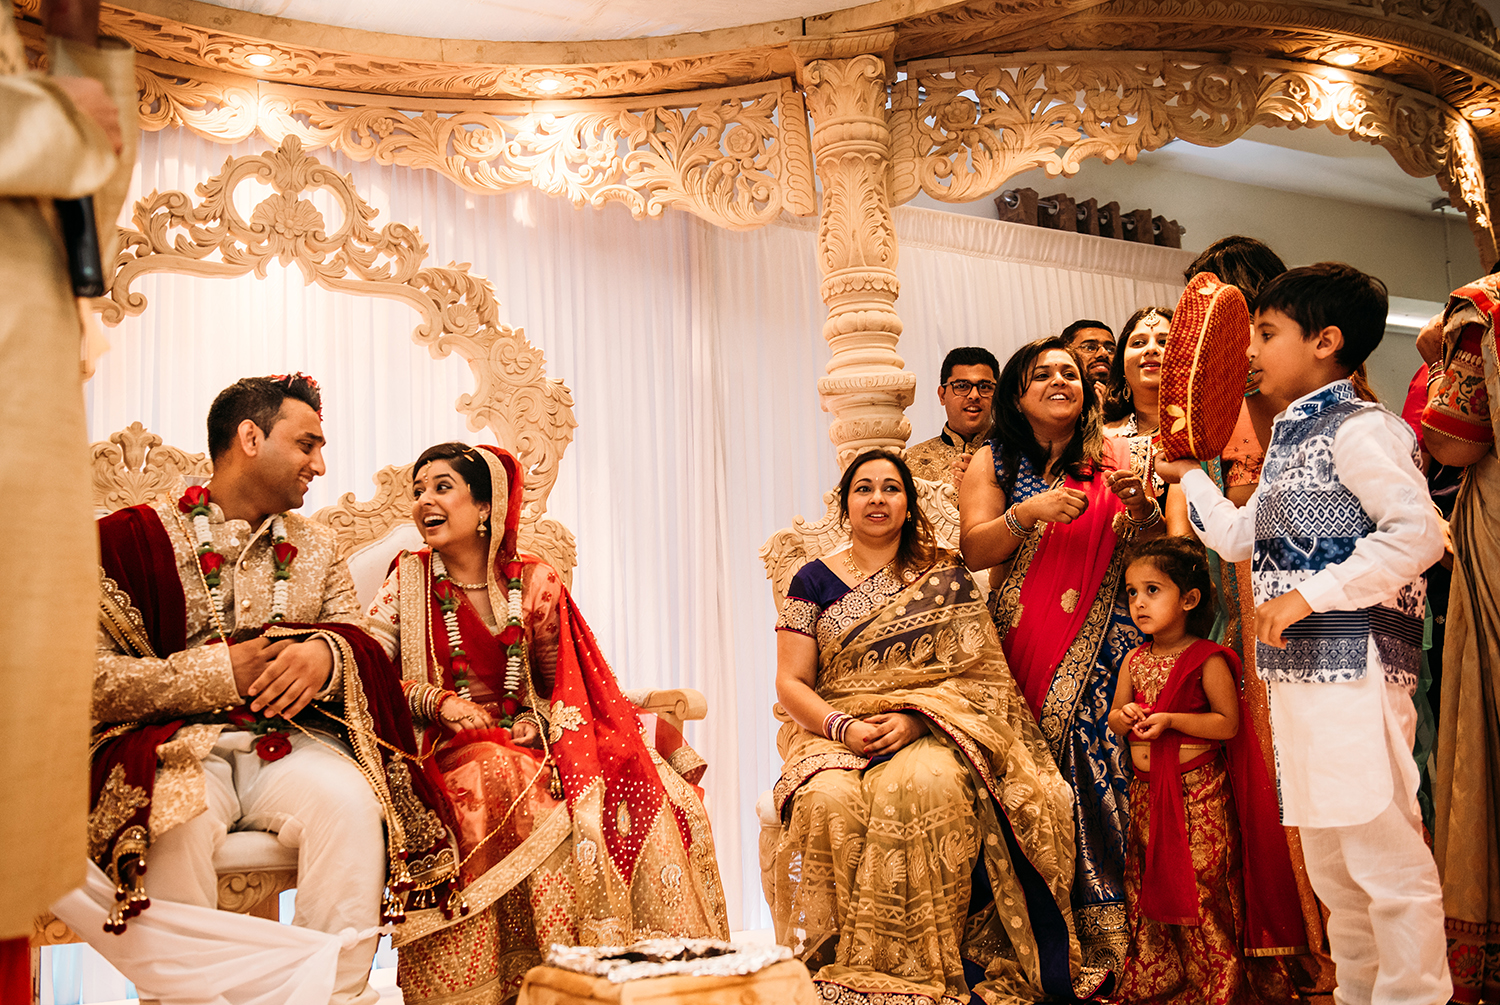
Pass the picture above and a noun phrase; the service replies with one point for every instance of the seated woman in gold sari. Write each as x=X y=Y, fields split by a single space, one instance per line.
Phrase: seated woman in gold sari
x=927 y=847
x=573 y=829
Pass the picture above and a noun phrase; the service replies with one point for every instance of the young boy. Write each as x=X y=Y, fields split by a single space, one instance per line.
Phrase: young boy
x=1340 y=530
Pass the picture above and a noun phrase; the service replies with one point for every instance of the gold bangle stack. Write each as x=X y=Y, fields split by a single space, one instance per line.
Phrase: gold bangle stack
x=1151 y=518
x=425 y=700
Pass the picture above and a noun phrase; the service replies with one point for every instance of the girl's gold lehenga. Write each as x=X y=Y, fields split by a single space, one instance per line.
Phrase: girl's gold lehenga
x=916 y=877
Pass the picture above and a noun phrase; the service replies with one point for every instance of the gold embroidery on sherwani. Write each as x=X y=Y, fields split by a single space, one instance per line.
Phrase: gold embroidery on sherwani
x=179 y=795
x=917 y=823
x=118 y=800
x=423 y=827
x=121 y=619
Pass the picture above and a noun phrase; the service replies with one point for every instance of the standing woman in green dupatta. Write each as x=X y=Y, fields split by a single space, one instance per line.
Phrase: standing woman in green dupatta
x=1049 y=506
x=927 y=843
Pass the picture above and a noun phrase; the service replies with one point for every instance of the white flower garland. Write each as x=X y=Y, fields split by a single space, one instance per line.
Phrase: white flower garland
x=460 y=662
x=280 y=584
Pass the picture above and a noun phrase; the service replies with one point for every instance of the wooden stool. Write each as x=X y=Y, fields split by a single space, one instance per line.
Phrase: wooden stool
x=784 y=983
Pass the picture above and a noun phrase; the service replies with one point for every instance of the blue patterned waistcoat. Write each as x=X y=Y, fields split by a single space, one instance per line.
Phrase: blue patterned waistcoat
x=1307 y=520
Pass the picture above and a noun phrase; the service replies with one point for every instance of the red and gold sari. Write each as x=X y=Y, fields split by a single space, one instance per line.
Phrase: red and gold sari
x=1466 y=758
x=1209 y=881
x=595 y=838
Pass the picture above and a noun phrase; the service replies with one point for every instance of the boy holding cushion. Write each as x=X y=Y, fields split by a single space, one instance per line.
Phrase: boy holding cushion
x=1340 y=529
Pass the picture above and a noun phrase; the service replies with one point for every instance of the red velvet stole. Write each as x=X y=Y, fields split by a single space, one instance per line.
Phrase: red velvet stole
x=135 y=552
x=1273 y=914
x=1070 y=561
x=600 y=732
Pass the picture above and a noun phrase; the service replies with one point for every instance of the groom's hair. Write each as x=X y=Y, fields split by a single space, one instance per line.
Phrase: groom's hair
x=259 y=400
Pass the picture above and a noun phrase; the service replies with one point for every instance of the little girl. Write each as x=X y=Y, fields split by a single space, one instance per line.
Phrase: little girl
x=1208 y=883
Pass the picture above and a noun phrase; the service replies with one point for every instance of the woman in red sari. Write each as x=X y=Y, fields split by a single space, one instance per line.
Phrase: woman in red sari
x=573 y=829
x=1052 y=507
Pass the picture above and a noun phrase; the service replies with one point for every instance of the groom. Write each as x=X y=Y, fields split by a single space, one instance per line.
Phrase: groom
x=231 y=656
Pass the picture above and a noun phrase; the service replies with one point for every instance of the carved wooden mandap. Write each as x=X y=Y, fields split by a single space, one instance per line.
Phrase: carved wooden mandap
x=839 y=117
x=843 y=115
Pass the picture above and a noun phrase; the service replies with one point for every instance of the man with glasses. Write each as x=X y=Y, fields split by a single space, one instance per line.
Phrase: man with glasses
x=1095 y=345
x=967 y=393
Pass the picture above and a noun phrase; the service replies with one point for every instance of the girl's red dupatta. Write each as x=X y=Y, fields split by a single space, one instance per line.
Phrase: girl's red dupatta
x=1273 y=915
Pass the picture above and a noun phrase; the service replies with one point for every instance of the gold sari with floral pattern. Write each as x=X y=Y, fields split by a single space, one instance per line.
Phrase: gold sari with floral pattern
x=947 y=866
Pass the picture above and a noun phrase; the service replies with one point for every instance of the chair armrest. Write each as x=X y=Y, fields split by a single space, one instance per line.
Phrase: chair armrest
x=675 y=705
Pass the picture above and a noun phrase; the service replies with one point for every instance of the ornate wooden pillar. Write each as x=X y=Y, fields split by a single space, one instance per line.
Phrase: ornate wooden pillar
x=866 y=388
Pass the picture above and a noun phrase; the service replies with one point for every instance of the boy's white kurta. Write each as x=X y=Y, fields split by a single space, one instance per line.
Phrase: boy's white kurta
x=1343 y=750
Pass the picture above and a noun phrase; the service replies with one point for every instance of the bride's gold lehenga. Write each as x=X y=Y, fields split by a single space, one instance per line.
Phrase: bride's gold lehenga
x=946 y=867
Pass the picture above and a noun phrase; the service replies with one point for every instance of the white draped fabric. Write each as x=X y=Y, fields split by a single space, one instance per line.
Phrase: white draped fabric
x=693 y=355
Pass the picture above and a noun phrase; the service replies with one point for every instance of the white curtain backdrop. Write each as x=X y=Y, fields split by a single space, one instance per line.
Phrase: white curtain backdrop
x=693 y=355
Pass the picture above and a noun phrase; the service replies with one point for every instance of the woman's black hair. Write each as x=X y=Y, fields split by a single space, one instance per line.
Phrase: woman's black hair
x=465 y=460
x=918 y=548
x=1012 y=437
x=1239 y=261
x=1185 y=562
x=1119 y=400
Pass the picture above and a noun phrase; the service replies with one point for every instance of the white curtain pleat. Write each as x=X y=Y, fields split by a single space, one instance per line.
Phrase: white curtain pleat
x=693 y=355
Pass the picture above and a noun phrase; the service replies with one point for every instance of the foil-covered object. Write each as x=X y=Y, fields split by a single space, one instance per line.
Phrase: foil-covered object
x=666 y=958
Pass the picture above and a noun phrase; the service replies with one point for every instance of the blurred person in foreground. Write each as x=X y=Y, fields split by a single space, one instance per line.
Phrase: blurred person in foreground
x=62 y=136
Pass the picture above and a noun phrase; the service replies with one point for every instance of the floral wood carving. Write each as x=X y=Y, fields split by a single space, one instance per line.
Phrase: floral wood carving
x=790 y=549
x=959 y=132
x=341 y=69
x=133 y=467
x=866 y=388
x=735 y=157
x=527 y=412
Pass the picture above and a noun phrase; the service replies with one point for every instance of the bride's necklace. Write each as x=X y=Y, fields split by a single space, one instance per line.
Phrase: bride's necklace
x=468 y=586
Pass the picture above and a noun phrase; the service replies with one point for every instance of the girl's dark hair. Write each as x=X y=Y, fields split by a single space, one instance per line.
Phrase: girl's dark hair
x=1012 y=437
x=1239 y=261
x=918 y=548
x=1185 y=562
x=466 y=461
x=1118 y=399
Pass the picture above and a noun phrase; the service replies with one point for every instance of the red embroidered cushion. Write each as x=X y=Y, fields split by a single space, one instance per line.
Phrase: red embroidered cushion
x=1203 y=369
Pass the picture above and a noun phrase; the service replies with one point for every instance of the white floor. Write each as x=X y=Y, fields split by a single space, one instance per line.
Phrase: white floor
x=77 y=975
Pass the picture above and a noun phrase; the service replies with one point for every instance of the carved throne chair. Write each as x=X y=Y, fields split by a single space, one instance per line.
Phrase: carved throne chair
x=133 y=466
x=788 y=550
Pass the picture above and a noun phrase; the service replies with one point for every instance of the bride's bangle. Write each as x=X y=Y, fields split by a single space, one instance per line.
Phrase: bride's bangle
x=1013 y=523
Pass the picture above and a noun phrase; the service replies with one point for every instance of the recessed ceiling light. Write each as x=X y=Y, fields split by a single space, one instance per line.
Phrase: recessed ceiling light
x=260 y=59
x=548 y=84
x=1345 y=58
x=1482 y=113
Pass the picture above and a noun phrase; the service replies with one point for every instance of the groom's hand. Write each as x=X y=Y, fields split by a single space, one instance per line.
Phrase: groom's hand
x=292 y=678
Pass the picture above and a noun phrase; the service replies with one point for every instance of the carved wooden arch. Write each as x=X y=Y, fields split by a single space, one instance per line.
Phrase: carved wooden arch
x=961 y=127
x=528 y=412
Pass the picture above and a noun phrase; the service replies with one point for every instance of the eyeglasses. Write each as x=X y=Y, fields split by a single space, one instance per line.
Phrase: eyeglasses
x=963 y=387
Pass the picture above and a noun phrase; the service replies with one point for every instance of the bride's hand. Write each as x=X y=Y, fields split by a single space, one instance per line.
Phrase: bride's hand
x=457 y=715
x=524 y=733
x=894 y=730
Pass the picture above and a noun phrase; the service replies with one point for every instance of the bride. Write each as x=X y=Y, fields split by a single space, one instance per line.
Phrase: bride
x=573 y=829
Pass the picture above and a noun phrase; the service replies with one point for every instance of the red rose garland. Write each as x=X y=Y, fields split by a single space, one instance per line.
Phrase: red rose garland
x=512 y=634
x=194 y=503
